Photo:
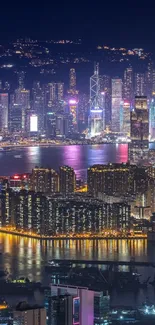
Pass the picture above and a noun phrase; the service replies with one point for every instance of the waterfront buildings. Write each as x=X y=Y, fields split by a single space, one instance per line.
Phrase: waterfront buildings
x=44 y=180
x=29 y=315
x=67 y=179
x=116 y=104
x=139 y=146
x=110 y=179
x=49 y=215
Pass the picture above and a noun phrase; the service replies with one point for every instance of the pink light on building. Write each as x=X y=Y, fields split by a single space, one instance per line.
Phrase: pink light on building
x=72 y=102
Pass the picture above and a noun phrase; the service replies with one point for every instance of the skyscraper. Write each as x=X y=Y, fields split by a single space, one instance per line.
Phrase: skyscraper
x=38 y=105
x=128 y=85
x=96 y=122
x=140 y=84
x=67 y=179
x=126 y=118
x=116 y=103
x=22 y=98
x=72 y=81
x=139 y=146
x=105 y=87
x=21 y=79
x=4 y=104
x=152 y=118
x=15 y=118
x=149 y=80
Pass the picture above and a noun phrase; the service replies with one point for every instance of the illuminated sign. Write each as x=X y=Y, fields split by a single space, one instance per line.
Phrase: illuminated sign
x=72 y=102
x=33 y=123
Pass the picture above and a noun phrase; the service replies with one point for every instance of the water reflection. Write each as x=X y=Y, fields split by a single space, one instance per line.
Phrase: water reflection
x=26 y=256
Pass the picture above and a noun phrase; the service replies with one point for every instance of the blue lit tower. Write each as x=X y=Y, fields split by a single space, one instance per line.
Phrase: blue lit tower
x=96 y=120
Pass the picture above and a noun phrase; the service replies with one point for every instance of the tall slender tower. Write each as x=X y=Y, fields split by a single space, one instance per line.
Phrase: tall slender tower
x=96 y=122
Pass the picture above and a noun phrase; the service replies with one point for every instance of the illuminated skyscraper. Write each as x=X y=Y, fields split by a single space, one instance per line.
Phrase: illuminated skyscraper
x=152 y=118
x=149 y=80
x=22 y=97
x=60 y=91
x=15 y=124
x=73 y=107
x=38 y=105
x=139 y=146
x=128 y=85
x=21 y=78
x=116 y=103
x=96 y=117
x=105 y=87
x=4 y=104
x=72 y=80
x=140 y=84
x=67 y=179
x=126 y=118
x=153 y=82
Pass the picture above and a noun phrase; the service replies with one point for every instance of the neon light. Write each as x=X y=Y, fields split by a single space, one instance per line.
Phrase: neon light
x=72 y=101
x=96 y=110
x=16 y=177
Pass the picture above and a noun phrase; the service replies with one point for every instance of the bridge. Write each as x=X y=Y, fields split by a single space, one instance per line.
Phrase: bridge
x=100 y=262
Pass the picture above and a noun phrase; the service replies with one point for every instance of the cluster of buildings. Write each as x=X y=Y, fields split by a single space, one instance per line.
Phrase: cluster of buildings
x=47 y=203
x=65 y=305
x=51 y=111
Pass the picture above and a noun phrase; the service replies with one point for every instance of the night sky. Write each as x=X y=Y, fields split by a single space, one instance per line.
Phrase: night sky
x=118 y=23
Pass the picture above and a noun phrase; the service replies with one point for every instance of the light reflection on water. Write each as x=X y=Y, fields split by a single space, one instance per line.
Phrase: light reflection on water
x=78 y=157
x=26 y=256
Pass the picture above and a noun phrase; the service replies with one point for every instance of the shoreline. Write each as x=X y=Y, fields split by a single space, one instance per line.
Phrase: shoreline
x=16 y=233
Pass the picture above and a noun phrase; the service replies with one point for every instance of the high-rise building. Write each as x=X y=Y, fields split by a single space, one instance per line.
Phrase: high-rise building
x=38 y=105
x=152 y=118
x=67 y=179
x=126 y=118
x=153 y=82
x=29 y=315
x=44 y=180
x=60 y=310
x=4 y=105
x=62 y=124
x=15 y=123
x=149 y=80
x=21 y=79
x=116 y=103
x=72 y=81
x=105 y=87
x=22 y=98
x=140 y=84
x=83 y=303
x=128 y=85
x=110 y=179
x=97 y=115
x=139 y=146
x=73 y=111
x=60 y=94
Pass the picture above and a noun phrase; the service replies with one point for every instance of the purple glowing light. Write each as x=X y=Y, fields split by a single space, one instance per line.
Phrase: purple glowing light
x=72 y=101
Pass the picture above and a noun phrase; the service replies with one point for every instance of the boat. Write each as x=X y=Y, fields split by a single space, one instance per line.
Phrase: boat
x=18 y=156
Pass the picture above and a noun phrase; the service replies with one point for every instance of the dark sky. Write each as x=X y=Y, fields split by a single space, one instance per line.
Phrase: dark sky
x=126 y=23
